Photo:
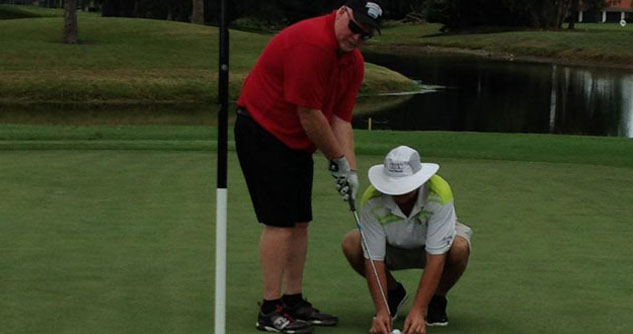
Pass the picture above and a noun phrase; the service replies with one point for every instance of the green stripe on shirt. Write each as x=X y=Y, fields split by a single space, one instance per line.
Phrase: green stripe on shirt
x=439 y=187
x=370 y=193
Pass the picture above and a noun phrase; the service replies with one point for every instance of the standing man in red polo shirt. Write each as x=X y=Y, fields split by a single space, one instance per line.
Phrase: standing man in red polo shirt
x=299 y=98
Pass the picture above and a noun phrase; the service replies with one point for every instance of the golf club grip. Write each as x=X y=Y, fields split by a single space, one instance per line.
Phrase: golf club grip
x=352 y=205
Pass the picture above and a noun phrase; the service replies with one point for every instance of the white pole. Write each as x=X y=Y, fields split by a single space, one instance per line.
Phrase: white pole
x=220 y=261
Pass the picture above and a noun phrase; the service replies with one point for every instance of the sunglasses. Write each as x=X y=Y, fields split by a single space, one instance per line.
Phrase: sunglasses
x=356 y=30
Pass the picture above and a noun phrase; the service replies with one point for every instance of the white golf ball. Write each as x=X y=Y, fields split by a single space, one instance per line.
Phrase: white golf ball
x=395 y=331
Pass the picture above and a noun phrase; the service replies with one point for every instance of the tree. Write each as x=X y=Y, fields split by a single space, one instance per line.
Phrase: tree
x=120 y=8
x=548 y=14
x=71 y=34
x=575 y=6
x=197 y=12
x=543 y=14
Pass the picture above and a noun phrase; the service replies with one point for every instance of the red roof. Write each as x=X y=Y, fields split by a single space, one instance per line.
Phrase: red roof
x=621 y=5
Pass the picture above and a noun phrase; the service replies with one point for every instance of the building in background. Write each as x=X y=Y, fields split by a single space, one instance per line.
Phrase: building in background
x=616 y=11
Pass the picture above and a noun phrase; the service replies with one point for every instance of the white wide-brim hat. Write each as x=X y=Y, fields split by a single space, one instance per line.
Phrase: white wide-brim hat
x=402 y=172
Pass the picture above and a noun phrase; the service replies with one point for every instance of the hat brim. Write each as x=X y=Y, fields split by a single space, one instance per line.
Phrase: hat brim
x=400 y=185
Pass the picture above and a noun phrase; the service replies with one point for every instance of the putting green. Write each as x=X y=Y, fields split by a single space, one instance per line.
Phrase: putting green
x=121 y=241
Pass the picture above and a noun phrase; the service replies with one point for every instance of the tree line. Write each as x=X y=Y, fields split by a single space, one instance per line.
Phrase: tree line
x=546 y=14
x=281 y=10
x=453 y=14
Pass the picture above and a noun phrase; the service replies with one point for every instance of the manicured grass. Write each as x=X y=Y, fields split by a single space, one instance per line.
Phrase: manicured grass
x=122 y=240
x=606 y=151
x=590 y=43
x=132 y=61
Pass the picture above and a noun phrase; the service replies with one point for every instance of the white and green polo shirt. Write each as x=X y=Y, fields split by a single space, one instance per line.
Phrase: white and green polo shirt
x=431 y=222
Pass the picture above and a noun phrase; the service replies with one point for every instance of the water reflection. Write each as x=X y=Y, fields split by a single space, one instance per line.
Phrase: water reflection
x=626 y=125
x=498 y=96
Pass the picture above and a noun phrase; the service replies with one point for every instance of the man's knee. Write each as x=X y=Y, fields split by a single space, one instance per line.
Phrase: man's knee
x=460 y=251
x=277 y=231
x=351 y=243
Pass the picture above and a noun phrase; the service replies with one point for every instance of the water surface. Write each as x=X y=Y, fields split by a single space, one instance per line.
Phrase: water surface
x=478 y=94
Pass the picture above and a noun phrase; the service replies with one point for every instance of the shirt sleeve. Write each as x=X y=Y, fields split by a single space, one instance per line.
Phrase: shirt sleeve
x=374 y=234
x=441 y=229
x=306 y=73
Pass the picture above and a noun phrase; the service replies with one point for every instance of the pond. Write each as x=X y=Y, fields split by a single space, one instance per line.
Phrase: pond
x=467 y=93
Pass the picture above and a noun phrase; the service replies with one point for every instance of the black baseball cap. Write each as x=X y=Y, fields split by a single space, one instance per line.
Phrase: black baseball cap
x=367 y=12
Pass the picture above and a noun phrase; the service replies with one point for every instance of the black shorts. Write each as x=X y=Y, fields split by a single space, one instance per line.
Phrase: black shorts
x=279 y=179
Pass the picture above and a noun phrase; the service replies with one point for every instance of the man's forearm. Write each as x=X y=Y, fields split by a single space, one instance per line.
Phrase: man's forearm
x=345 y=135
x=429 y=281
x=372 y=284
x=318 y=129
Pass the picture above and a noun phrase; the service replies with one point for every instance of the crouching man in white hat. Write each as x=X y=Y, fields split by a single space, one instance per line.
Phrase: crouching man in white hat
x=408 y=220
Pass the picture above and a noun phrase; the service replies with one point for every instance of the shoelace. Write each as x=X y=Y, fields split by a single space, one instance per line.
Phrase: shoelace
x=280 y=310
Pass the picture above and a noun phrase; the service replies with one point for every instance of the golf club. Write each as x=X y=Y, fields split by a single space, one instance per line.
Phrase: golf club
x=352 y=207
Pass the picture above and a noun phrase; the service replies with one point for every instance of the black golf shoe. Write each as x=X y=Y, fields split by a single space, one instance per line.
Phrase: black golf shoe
x=280 y=322
x=436 y=311
x=396 y=298
x=304 y=311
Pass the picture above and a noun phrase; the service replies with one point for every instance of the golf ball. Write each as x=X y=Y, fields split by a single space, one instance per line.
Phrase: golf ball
x=395 y=331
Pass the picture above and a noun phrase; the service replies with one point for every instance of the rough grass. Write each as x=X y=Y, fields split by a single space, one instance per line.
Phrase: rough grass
x=8 y=12
x=135 y=61
x=590 y=43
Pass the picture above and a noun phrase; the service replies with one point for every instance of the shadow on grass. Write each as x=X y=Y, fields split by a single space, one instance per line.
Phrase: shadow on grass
x=152 y=114
x=110 y=114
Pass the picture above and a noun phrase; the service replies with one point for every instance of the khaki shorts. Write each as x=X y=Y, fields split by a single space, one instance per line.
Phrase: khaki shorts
x=400 y=258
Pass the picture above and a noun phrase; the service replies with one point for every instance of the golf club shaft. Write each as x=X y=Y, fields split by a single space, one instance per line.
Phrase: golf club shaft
x=352 y=207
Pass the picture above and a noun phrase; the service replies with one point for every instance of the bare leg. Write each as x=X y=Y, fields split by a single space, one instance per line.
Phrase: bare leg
x=297 y=252
x=273 y=253
x=353 y=251
x=456 y=262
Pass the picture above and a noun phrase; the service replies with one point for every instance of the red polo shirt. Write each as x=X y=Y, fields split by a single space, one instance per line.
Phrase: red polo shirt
x=301 y=66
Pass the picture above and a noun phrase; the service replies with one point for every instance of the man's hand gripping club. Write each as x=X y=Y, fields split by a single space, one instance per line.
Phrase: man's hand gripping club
x=345 y=178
